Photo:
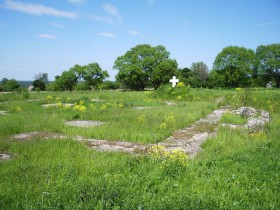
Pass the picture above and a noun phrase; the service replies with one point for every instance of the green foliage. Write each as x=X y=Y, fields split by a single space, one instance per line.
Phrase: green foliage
x=24 y=93
x=94 y=75
x=109 y=85
x=199 y=72
x=236 y=65
x=9 y=85
x=144 y=64
x=231 y=118
x=269 y=63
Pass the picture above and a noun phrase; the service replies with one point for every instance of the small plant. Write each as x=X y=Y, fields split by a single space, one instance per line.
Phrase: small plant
x=15 y=109
x=141 y=119
x=244 y=97
x=180 y=85
x=171 y=161
x=80 y=106
x=24 y=92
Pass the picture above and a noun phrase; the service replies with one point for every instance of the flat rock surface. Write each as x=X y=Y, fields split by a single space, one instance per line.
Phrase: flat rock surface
x=3 y=112
x=141 y=107
x=187 y=139
x=54 y=105
x=83 y=123
x=4 y=157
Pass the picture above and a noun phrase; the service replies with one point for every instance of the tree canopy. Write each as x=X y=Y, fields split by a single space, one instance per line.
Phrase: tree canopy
x=92 y=75
x=9 y=85
x=269 y=63
x=40 y=81
x=143 y=65
x=235 y=65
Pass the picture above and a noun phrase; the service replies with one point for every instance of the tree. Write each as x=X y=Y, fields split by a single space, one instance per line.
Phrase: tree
x=94 y=75
x=163 y=72
x=40 y=81
x=269 y=63
x=9 y=85
x=235 y=65
x=67 y=81
x=143 y=64
x=200 y=72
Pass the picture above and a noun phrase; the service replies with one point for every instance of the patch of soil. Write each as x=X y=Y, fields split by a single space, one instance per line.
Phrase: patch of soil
x=83 y=123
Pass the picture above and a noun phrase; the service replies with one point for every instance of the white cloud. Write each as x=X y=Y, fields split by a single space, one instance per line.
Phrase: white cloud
x=136 y=33
x=47 y=36
x=107 y=34
x=76 y=1
x=58 y=25
x=37 y=9
x=267 y=24
x=150 y=2
x=102 y=19
x=112 y=11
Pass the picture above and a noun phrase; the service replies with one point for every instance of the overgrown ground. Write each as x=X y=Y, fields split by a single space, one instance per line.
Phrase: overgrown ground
x=237 y=169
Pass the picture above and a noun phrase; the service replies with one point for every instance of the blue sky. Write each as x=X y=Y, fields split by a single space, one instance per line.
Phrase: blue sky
x=50 y=36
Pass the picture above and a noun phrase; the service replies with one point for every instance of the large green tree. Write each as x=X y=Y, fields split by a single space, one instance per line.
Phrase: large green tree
x=94 y=75
x=235 y=65
x=144 y=64
x=67 y=81
x=269 y=63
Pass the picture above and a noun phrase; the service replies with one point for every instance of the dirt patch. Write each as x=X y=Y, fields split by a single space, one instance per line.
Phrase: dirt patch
x=83 y=123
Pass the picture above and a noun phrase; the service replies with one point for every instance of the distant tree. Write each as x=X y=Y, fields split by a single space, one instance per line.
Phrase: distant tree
x=4 y=80
x=93 y=75
x=269 y=63
x=109 y=85
x=199 y=71
x=235 y=65
x=40 y=81
x=67 y=81
x=184 y=73
x=9 y=85
x=144 y=64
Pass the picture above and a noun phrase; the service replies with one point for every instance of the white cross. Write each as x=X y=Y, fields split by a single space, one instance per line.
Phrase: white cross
x=174 y=80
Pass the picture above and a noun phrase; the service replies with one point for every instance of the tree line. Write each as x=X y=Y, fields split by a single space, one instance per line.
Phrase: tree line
x=146 y=66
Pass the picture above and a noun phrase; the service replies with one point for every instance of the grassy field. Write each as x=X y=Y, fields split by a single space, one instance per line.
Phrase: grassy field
x=237 y=169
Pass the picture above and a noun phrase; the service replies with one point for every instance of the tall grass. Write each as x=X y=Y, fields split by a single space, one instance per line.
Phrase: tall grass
x=238 y=169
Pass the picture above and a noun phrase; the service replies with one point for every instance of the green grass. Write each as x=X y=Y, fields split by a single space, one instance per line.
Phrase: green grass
x=236 y=170
x=231 y=118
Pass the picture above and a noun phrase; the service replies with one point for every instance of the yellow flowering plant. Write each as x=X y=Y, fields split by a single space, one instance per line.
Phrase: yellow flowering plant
x=171 y=160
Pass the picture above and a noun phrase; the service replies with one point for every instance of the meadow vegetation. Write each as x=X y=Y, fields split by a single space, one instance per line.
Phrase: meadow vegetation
x=238 y=169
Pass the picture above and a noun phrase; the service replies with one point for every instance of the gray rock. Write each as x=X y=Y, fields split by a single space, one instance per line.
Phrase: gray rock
x=83 y=123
